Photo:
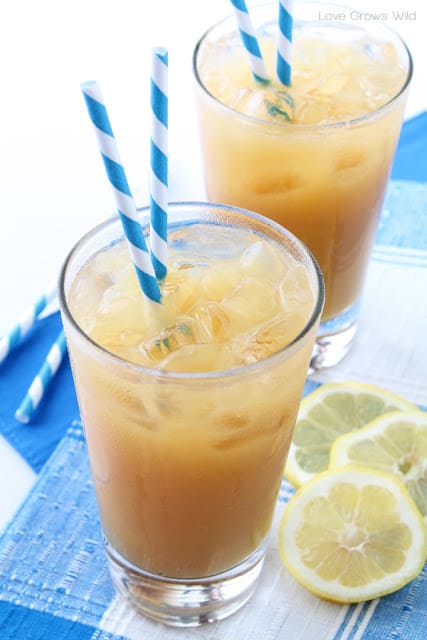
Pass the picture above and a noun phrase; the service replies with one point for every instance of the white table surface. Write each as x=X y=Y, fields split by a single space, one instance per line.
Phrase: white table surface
x=52 y=184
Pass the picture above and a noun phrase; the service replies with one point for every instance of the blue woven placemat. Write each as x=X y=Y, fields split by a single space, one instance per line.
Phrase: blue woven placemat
x=53 y=575
x=54 y=581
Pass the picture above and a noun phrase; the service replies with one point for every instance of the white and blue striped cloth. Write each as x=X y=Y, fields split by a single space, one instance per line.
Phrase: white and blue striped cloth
x=54 y=581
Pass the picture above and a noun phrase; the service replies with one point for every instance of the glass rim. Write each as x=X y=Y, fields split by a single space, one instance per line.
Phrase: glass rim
x=172 y=376
x=367 y=117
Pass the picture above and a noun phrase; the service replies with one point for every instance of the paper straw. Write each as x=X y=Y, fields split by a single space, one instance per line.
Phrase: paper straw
x=284 y=43
x=159 y=162
x=123 y=197
x=38 y=387
x=250 y=42
x=26 y=322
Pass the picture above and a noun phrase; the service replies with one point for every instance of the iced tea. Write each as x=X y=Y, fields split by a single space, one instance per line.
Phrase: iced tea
x=316 y=156
x=189 y=406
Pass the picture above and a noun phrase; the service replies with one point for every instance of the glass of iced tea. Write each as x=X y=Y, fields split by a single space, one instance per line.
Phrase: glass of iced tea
x=314 y=156
x=189 y=406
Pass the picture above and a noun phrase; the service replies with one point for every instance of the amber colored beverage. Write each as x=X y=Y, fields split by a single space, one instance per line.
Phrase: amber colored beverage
x=189 y=407
x=314 y=156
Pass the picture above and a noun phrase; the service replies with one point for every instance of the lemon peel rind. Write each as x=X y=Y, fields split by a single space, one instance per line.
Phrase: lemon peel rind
x=332 y=590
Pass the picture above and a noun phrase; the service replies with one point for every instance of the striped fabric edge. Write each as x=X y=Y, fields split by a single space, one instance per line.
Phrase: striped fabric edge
x=402 y=256
x=355 y=620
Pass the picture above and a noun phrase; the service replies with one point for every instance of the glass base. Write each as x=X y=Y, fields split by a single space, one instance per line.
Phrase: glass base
x=186 y=602
x=329 y=350
x=334 y=339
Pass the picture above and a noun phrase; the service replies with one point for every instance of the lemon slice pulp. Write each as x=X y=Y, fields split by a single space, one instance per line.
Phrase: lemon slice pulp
x=329 y=412
x=394 y=443
x=352 y=535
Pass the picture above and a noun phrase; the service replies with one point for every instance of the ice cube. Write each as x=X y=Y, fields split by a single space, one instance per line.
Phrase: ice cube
x=279 y=105
x=334 y=84
x=272 y=103
x=198 y=247
x=115 y=303
x=281 y=332
x=211 y=323
x=343 y=80
x=109 y=262
x=87 y=293
x=267 y=339
x=220 y=280
x=251 y=303
x=379 y=52
x=278 y=180
x=312 y=109
x=350 y=158
x=168 y=340
x=233 y=421
x=194 y=358
x=261 y=260
x=180 y=289
x=236 y=439
x=251 y=432
x=114 y=308
x=294 y=290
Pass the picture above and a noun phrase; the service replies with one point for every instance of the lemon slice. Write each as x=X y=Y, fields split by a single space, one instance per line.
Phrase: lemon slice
x=353 y=534
x=395 y=443
x=330 y=411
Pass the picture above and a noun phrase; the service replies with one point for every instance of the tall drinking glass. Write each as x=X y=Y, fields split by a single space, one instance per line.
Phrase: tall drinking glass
x=187 y=457
x=316 y=156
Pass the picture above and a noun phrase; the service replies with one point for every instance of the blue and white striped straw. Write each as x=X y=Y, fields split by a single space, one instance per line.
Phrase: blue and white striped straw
x=159 y=162
x=250 y=42
x=26 y=322
x=284 y=44
x=38 y=387
x=123 y=197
